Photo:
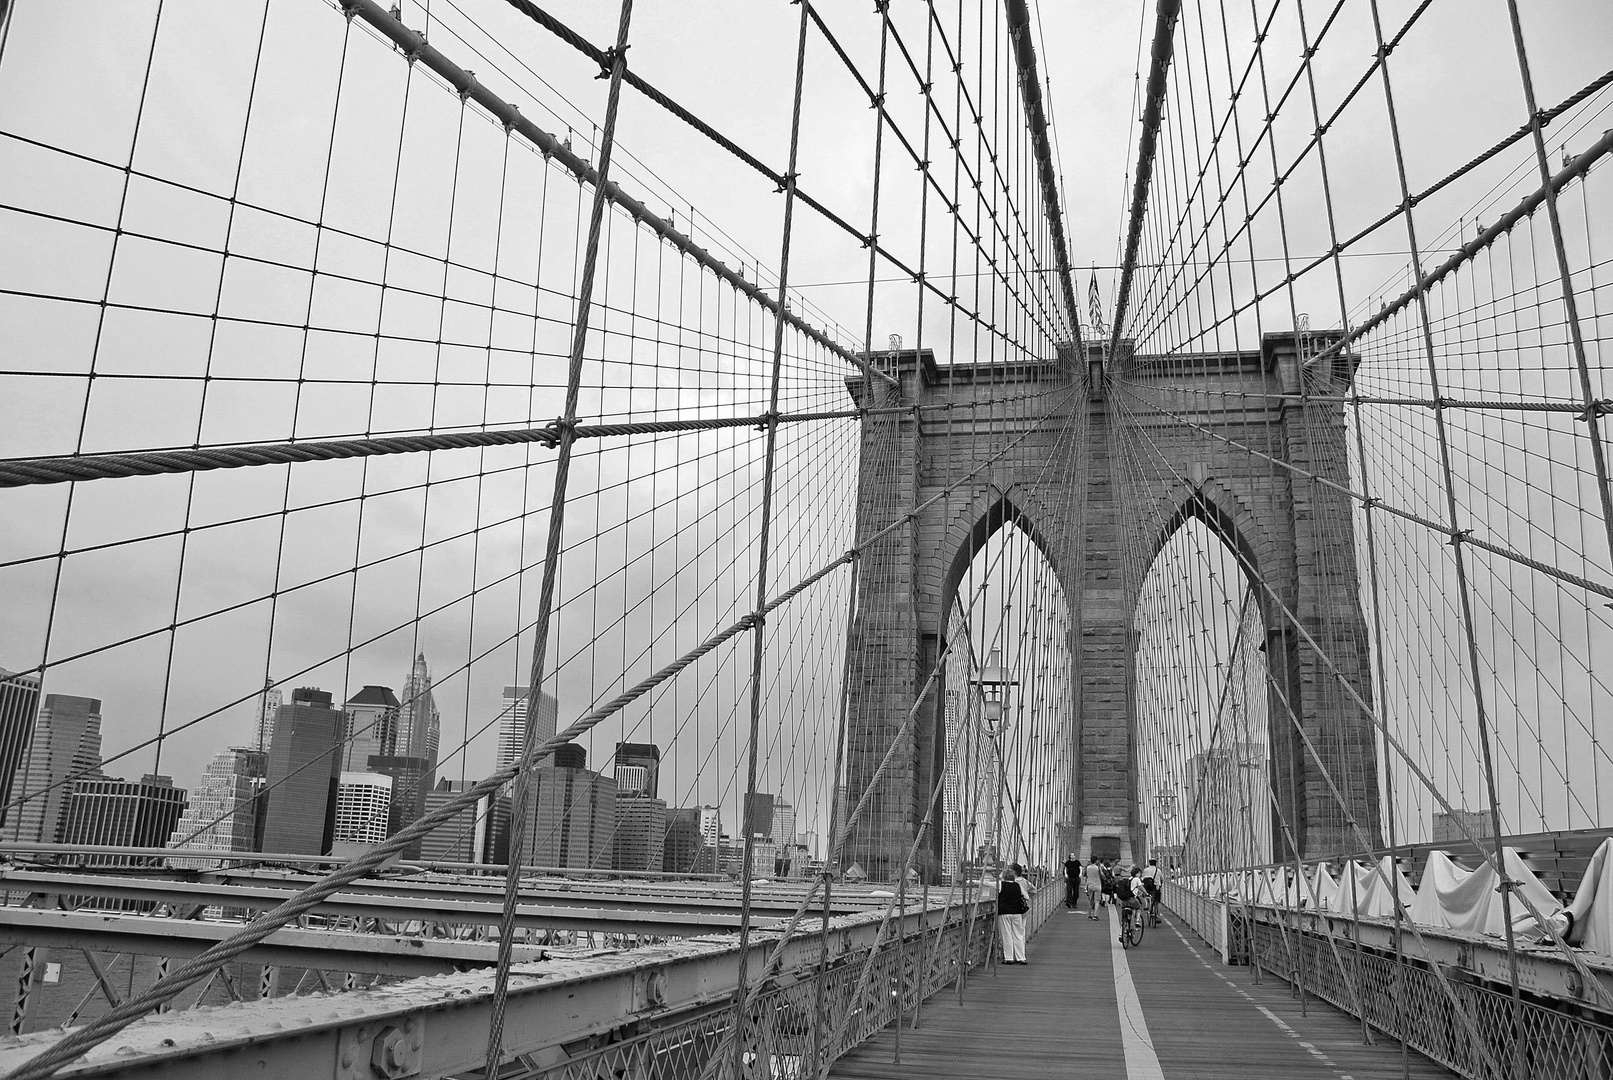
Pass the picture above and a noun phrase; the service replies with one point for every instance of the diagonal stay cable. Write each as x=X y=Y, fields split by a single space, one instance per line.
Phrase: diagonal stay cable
x=415 y=46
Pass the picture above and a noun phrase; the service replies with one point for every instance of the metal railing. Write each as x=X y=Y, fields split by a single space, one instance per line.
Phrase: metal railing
x=1555 y=1031
x=1553 y=1038
x=1207 y=917
x=802 y=1021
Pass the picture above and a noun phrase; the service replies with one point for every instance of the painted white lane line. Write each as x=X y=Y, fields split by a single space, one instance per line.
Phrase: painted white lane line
x=1273 y=1017
x=1141 y=1062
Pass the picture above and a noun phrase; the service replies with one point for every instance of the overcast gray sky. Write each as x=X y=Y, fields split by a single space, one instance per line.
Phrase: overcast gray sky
x=71 y=78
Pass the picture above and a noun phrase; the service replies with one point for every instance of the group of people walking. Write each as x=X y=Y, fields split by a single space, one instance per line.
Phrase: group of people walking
x=1103 y=882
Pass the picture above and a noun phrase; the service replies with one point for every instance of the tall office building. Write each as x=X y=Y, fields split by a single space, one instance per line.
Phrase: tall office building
x=758 y=816
x=372 y=727
x=412 y=779
x=632 y=780
x=225 y=808
x=680 y=852
x=269 y=703
x=640 y=834
x=121 y=813
x=710 y=826
x=419 y=723
x=304 y=767
x=570 y=814
x=467 y=837
x=783 y=824
x=646 y=756
x=19 y=701
x=66 y=742
x=512 y=723
x=363 y=807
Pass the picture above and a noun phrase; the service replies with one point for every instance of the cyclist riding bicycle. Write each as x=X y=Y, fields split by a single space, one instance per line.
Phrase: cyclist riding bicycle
x=1132 y=895
x=1151 y=882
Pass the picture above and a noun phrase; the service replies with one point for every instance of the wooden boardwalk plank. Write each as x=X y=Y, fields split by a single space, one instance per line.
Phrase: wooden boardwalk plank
x=1206 y=1021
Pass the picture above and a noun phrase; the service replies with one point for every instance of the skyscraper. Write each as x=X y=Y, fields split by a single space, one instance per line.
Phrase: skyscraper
x=269 y=703
x=419 y=723
x=680 y=853
x=19 y=701
x=640 y=833
x=122 y=813
x=783 y=824
x=632 y=780
x=363 y=807
x=223 y=814
x=304 y=765
x=710 y=826
x=758 y=816
x=412 y=779
x=372 y=727
x=66 y=741
x=570 y=814
x=646 y=756
x=512 y=723
x=466 y=836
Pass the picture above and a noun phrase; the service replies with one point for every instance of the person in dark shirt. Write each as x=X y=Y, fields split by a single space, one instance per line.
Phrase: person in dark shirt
x=1072 y=881
x=1013 y=903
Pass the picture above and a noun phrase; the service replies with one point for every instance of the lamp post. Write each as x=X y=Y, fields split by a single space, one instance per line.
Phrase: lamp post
x=994 y=683
x=1165 y=806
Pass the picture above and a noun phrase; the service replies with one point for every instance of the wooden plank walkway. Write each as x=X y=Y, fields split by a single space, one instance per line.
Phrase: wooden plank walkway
x=1062 y=1015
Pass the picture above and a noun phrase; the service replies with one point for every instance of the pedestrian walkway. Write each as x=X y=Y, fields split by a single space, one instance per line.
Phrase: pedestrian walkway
x=1168 y=1010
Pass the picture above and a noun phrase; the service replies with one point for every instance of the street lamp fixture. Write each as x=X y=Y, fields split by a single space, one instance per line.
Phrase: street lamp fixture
x=993 y=682
x=1165 y=802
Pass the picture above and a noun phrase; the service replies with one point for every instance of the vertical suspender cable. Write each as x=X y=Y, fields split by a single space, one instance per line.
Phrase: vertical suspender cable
x=551 y=556
x=760 y=627
x=1457 y=535
x=1374 y=588
x=1593 y=410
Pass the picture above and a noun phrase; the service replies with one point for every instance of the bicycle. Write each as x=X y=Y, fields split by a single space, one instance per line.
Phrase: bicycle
x=1131 y=924
x=1153 y=911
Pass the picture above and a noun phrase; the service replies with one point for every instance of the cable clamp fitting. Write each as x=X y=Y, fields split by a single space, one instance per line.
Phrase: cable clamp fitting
x=787 y=180
x=1597 y=407
x=767 y=420
x=1459 y=535
x=608 y=58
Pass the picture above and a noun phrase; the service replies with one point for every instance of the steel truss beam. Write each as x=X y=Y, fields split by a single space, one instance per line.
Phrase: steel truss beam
x=323 y=950
x=553 y=905
x=443 y=1020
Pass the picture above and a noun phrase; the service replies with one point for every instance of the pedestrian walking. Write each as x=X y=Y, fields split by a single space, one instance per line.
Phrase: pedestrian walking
x=1094 y=881
x=1072 y=882
x=1013 y=903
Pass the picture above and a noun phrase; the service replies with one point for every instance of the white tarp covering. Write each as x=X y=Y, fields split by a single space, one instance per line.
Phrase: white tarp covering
x=1471 y=899
x=1593 y=904
x=1449 y=896
x=1323 y=888
x=1375 y=889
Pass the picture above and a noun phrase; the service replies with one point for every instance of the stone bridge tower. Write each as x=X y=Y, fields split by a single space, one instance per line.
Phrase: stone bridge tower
x=1059 y=440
